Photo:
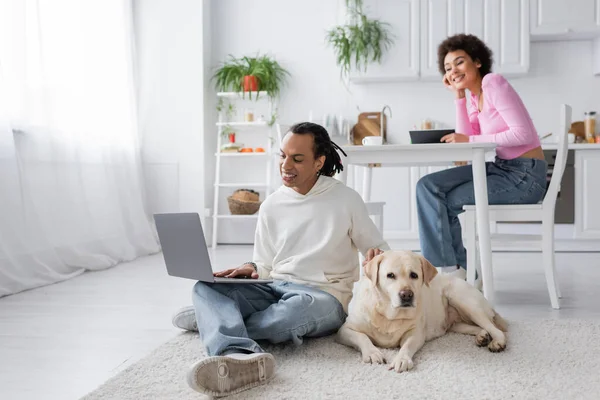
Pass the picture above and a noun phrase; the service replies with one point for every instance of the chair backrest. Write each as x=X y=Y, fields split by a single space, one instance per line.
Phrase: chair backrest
x=561 y=157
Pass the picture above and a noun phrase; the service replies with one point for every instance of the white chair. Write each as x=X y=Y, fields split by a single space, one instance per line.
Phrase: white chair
x=542 y=212
x=375 y=211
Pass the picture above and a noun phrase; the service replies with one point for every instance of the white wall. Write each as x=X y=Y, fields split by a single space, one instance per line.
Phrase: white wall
x=180 y=43
x=172 y=67
x=294 y=31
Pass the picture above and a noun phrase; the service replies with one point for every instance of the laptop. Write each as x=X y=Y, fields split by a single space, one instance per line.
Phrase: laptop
x=184 y=249
x=428 y=135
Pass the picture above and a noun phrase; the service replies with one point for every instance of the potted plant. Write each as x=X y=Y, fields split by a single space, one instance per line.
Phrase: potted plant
x=361 y=41
x=250 y=74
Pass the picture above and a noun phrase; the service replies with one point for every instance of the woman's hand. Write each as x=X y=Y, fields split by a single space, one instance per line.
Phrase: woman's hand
x=455 y=138
x=244 y=271
x=460 y=93
x=372 y=253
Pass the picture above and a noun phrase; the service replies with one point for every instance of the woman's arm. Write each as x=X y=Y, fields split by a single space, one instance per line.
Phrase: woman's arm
x=466 y=122
x=512 y=110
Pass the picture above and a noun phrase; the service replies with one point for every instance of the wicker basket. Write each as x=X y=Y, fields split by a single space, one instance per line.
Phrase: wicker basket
x=244 y=202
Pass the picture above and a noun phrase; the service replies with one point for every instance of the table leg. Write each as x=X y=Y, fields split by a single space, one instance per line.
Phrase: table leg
x=366 y=187
x=483 y=223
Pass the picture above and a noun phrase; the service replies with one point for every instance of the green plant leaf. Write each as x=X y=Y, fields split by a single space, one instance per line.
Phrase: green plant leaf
x=270 y=75
x=360 y=42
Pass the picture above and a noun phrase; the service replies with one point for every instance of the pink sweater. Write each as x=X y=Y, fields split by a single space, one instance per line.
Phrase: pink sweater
x=504 y=119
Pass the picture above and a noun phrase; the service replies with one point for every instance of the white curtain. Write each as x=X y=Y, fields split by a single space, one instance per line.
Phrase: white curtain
x=71 y=194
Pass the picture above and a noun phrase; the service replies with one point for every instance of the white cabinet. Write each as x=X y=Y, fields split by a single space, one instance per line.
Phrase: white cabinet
x=401 y=62
x=502 y=24
x=439 y=19
x=596 y=56
x=587 y=194
x=506 y=32
x=419 y=26
x=565 y=19
x=400 y=212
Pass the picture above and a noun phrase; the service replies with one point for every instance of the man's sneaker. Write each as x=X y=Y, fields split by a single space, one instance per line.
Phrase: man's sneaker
x=225 y=375
x=185 y=318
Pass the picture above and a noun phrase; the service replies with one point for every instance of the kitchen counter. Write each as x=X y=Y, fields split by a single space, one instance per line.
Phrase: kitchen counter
x=572 y=146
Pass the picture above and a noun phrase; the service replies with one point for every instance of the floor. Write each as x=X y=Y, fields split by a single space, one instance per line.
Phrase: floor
x=62 y=341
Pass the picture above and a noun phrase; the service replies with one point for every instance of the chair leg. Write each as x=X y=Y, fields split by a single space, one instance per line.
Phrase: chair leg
x=556 y=283
x=549 y=263
x=472 y=258
x=361 y=259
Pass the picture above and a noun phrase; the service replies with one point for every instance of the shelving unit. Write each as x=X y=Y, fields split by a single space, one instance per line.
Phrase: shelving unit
x=242 y=124
x=250 y=128
x=243 y=154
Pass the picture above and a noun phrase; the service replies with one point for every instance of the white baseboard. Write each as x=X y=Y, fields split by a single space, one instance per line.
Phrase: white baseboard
x=399 y=240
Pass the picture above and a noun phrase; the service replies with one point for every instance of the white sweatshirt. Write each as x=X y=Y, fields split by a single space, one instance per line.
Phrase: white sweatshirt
x=312 y=239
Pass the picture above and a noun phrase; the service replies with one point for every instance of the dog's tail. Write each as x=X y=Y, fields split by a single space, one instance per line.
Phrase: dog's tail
x=500 y=322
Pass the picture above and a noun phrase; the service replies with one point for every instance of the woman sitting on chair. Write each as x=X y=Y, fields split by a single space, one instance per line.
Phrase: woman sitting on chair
x=495 y=113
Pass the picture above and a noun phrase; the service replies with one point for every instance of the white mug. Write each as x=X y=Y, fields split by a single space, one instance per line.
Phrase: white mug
x=571 y=137
x=372 y=140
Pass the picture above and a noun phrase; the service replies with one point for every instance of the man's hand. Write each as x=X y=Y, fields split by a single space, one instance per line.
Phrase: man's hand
x=455 y=138
x=371 y=253
x=243 y=271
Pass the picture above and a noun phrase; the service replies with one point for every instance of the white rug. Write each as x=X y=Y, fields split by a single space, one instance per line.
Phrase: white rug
x=545 y=359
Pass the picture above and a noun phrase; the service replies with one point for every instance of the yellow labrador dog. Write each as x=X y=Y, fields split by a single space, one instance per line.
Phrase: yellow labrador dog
x=402 y=302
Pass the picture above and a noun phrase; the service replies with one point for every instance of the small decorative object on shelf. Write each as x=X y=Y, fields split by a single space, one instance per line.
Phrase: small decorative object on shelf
x=249 y=115
x=426 y=124
x=232 y=146
x=244 y=202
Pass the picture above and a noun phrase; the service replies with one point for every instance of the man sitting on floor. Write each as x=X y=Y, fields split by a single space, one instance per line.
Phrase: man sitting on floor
x=306 y=239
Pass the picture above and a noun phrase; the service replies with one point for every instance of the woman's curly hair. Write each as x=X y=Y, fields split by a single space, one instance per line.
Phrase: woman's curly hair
x=470 y=44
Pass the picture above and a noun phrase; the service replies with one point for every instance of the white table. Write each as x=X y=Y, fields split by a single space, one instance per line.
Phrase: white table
x=434 y=154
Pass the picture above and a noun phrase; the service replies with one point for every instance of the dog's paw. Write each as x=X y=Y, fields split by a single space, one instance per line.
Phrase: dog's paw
x=497 y=346
x=401 y=363
x=483 y=338
x=373 y=356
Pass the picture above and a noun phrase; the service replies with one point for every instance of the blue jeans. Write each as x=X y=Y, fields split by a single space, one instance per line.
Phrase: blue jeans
x=442 y=195
x=231 y=317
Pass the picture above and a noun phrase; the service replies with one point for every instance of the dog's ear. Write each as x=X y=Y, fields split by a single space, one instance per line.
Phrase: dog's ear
x=372 y=269
x=429 y=271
